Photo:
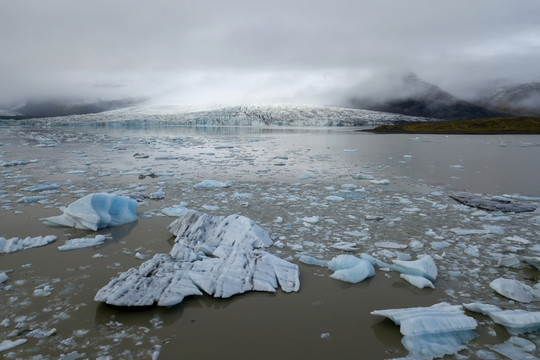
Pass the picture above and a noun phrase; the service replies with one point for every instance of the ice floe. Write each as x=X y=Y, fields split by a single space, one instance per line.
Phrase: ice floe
x=3 y=277
x=16 y=244
x=515 y=290
x=212 y=184
x=96 y=211
x=516 y=321
x=432 y=331
x=79 y=243
x=492 y=204
x=220 y=255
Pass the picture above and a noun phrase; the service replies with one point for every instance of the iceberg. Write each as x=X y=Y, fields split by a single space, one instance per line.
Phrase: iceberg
x=10 y=344
x=17 y=244
x=3 y=277
x=432 y=331
x=515 y=290
x=515 y=321
x=218 y=255
x=96 y=211
x=418 y=281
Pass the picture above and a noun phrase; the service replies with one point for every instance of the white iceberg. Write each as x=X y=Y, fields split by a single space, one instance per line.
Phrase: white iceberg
x=79 y=243
x=16 y=244
x=432 y=331
x=515 y=321
x=10 y=344
x=3 y=277
x=515 y=290
x=425 y=267
x=218 y=255
x=96 y=211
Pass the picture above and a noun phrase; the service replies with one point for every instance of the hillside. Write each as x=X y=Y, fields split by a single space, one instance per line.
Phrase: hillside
x=409 y=95
x=506 y=125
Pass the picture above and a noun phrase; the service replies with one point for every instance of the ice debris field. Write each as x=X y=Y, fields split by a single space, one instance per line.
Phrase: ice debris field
x=481 y=250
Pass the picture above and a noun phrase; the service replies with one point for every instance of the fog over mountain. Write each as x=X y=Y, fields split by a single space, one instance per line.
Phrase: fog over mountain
x=239 y=51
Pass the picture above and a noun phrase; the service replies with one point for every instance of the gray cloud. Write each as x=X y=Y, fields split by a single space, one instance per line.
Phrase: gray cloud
x=247 y=48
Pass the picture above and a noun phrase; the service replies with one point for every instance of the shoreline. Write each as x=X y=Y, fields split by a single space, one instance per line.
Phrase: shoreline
x=493 y=126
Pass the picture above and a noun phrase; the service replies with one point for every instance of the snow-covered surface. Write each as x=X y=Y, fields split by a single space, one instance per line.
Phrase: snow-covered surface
x=432 y=331
x=220 y=255
x=17 y=244
x=96 y=211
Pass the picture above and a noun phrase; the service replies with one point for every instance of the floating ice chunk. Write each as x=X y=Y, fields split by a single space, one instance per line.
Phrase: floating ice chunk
x=158 y=195
x=534 y=261
x=79 y=243
x=390 y=245
x=41 y=334
x=487 y=230
x=310 y=260
x=374 y=217
x=210 y=207
x=312 y=219
x=418 y=281
x=516 y=348
x=16 y=244
x=517 y=239
x=432 y=331
x=334 y=198
x=31 y=199
x=39 y=188
x=380 y=182
x=219 y=255
x=515 y=290
x=10 y=344
x=358 y=176
x=351 y=269
x=425 y=267
x=515 y=321
x=3 y=277
x=439 y=245
x=344 y=246
x=176 y=210
x=307 y=176
x=96 y=211
x=472 y=250
x=76 y=172
x=209 y=184
x=509 y=261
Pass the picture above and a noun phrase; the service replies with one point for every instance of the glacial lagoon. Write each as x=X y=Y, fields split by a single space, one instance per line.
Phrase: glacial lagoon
x=318 y=192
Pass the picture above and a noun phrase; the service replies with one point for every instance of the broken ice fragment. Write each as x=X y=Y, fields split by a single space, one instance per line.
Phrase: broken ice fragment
x=96 y=211
x=432 y=331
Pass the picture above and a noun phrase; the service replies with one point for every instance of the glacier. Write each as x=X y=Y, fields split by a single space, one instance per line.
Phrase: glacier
x=96 y=211
x=218 y=255
x=433 y=331
x=235 y=115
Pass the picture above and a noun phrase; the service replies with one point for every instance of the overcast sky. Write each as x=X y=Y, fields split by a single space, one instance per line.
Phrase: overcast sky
x=249 y=50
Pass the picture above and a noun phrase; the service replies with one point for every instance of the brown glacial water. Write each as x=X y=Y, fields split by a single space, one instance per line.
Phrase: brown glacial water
x=279 y=178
